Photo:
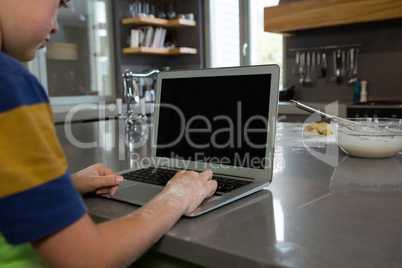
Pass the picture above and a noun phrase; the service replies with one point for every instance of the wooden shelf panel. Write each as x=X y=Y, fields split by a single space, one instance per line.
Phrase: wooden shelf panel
x=147 y=21
x=308 y=14
x=160 y=51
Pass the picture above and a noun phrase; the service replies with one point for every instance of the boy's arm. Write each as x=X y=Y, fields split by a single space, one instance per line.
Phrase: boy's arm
x=119 y=242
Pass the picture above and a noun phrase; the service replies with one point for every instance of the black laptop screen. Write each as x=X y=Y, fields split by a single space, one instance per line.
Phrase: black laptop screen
x=220 y=120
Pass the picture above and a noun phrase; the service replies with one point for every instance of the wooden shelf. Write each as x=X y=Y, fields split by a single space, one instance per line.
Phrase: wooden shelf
x=147 y=21
x=307 y=14
x=160 y=51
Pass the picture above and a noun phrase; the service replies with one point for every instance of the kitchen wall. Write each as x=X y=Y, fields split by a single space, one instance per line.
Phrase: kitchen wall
x=380 y=60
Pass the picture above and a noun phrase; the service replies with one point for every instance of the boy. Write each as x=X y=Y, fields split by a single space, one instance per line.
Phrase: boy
x=40 y=202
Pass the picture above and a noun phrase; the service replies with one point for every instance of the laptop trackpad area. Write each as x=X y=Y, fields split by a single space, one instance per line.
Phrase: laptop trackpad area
x=138 y=193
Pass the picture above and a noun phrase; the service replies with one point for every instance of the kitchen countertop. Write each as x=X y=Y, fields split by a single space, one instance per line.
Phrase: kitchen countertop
x=92 y=111
x=323 y=208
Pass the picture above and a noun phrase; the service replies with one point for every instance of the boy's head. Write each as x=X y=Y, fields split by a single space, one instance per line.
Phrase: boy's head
x=26 y=25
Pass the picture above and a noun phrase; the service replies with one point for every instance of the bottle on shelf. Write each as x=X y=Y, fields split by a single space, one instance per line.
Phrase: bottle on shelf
x=363 y=91
x=356 y=96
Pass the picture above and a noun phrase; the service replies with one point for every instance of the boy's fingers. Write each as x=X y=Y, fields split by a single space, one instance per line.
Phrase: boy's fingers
x=107 y=190
x=213 y=184
x=108 y=180
x=113 y=190
x=104 y=171
x=102 y=191
x=206 y=174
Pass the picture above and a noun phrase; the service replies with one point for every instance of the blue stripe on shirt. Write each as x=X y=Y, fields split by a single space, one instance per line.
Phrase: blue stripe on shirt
x=40 y=211
x=18 y=86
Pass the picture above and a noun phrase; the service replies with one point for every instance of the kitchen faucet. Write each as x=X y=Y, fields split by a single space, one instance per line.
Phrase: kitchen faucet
x=134 y=94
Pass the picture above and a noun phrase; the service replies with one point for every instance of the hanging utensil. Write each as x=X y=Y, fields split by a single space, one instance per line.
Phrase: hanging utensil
x=308 y=81
x=332 y=79
x=302 y=68
x=338 y=62
x=352 y=74
x=313 y=73
x=318 y=65
x=323 y=64
x=296 y=66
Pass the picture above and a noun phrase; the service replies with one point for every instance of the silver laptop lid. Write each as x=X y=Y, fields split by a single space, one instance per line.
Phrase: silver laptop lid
x=221 y=118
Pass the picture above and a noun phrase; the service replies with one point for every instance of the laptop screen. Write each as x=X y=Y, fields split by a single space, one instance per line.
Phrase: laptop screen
x=218 y=119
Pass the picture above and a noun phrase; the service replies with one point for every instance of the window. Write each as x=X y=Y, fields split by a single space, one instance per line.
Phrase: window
x=236 y=39
x=225 y=33
x=77 y=59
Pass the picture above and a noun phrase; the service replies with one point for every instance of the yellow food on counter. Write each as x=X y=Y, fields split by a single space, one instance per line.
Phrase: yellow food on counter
x=319 y=128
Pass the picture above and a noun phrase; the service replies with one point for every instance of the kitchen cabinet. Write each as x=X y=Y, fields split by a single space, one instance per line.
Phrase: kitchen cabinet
x=157 y=22
x=287 y=18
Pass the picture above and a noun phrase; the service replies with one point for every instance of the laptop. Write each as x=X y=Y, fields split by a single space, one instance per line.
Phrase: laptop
x=223 y=119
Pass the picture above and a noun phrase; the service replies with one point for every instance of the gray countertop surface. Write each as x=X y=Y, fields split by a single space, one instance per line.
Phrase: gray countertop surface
x=322 y=209
x=92 y=111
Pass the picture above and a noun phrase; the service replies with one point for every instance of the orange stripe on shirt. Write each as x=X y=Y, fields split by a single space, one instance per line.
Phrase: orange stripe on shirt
x=30 y=153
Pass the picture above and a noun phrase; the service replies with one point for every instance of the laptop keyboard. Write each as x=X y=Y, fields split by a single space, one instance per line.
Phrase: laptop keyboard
x=160 y=176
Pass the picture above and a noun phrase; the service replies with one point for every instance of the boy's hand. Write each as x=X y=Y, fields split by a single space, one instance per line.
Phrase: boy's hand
x=96 y=178
x=191 y=187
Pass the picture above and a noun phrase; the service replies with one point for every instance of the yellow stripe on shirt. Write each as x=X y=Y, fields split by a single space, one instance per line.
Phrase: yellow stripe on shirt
x=30 y=153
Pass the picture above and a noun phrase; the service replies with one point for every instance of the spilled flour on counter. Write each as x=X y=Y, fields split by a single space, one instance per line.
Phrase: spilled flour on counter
x=320 y=128
x=296 y=137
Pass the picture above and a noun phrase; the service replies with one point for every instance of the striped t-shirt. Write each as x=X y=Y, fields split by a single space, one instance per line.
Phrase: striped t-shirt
x=37 y=196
